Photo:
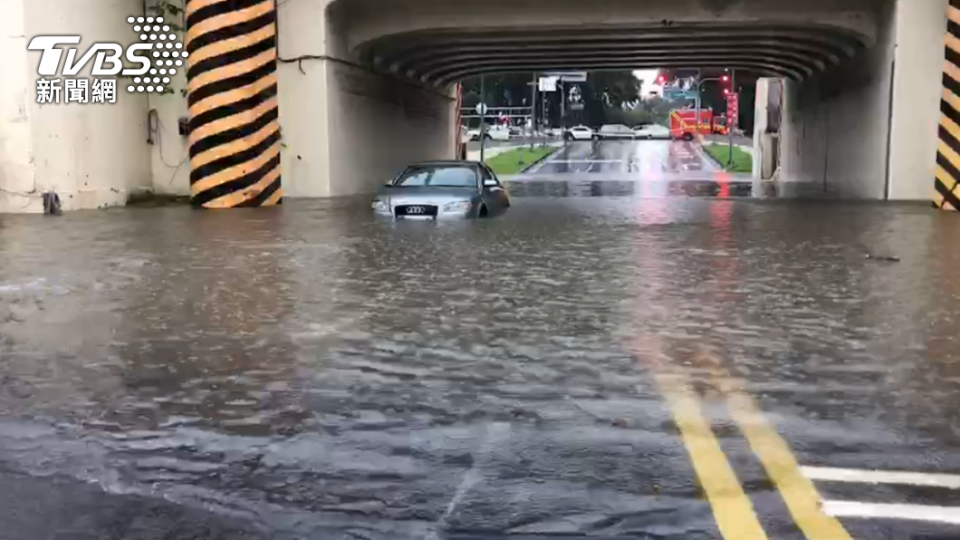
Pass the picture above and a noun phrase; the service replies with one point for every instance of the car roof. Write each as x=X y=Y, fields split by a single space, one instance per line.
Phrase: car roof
x=451 y=162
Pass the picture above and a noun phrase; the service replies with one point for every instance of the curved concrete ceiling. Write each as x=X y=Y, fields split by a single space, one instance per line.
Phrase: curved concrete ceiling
x=439 y=42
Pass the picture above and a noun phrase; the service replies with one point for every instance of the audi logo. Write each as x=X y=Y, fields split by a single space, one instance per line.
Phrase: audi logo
x=416 y=210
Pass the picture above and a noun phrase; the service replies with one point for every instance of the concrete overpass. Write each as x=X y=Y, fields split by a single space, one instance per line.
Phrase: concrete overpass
x=365 y=86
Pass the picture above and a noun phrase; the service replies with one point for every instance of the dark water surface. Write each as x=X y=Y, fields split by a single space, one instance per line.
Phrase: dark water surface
x=310 y=371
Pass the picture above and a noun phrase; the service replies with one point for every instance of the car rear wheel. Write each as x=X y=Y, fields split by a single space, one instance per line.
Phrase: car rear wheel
x=688 y=137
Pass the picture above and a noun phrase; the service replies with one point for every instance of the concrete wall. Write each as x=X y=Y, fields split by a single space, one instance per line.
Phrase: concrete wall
x=869 y=129
x=380 y=125
x=93 y=155
x=347 y=130
x=920 y=27
x=835 y=126
x=170 y=152
x=17 y=175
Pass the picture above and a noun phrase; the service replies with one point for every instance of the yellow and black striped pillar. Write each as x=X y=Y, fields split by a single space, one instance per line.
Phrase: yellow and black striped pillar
x=232 y=97
x=947 y=194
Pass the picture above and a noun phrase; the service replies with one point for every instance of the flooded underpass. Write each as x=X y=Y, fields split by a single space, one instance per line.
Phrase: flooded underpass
x=312 y=372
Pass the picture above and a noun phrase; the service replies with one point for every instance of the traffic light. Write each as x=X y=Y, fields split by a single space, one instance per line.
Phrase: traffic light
x=725 y=78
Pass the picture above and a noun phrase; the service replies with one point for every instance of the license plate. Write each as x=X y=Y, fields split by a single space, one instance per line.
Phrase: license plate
x=416 y=210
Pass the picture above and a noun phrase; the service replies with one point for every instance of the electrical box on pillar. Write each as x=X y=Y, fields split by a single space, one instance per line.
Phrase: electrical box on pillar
x=234 y=129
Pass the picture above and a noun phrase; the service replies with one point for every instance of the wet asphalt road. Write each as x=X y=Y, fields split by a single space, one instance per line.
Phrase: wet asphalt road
x=649 y=159
x=583 y=366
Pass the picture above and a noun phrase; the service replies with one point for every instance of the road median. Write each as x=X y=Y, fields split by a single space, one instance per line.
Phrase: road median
x=518 y=160
x=720 y=153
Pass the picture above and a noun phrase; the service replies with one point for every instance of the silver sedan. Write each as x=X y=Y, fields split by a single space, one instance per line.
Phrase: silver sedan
x=443 y=189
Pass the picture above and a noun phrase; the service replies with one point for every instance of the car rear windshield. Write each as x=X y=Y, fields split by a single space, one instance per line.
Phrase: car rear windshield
x=439 y=176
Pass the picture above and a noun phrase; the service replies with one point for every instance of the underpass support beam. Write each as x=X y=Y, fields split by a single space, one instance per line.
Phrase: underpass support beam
x=233 y=109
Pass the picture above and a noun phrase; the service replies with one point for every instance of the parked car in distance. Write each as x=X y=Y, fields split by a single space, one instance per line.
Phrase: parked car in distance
x=442 y=189
x=578 y=133
x=496 y=133
x=651 y=131
x=615 y=132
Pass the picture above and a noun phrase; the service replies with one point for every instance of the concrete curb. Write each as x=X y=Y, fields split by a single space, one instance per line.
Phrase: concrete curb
x=541 y=160
x=711 y=157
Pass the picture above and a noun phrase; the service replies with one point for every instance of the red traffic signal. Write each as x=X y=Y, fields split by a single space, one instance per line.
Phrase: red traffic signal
x=726 y=78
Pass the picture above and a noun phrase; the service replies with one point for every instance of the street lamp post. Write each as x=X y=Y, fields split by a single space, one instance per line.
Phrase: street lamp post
x=483 y=117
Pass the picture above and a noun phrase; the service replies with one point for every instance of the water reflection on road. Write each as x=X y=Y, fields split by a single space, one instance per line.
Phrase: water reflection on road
x=320 y=373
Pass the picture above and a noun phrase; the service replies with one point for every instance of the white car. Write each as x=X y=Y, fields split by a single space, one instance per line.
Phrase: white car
x=652 y=131
x=578 y=133
x=615 y=132
x=496 y=133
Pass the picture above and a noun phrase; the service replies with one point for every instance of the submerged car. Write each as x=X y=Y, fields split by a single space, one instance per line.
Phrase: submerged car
x=443 y=189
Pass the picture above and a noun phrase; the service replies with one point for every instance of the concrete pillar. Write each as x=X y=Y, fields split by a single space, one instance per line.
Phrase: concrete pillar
x=93 y=155
x=915 y=102
x=233 y=107
x=346 y=128
x=947 y=168
x=766 y=136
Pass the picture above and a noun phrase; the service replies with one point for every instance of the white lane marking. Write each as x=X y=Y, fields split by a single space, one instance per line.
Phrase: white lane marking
x=910 y=512
x=830 y=474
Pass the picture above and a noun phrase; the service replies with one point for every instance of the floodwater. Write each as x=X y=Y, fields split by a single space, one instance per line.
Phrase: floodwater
x=311 y=372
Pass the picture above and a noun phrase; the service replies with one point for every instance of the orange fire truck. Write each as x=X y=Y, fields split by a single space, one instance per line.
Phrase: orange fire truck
x=683 y=124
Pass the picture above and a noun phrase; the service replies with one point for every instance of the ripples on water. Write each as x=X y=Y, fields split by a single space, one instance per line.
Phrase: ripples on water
x=311 y=367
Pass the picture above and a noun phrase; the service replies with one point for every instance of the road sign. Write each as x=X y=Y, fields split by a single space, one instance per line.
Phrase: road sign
x=733 y=108
x=569 y=76
x=548 y=84
x=481 y=108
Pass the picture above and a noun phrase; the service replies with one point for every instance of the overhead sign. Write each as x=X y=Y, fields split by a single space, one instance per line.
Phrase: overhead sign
x=569 y=76
x=733 y=108
x=481 y=108
x=548 y=84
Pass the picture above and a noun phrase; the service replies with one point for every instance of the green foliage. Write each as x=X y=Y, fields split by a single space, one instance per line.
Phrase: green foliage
x=515 y=161
x=742 y=161
x=603 y=90
x=172 y=12
x=654 y=110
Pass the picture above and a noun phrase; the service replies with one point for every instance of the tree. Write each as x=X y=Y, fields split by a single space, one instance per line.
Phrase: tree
x=602 y=92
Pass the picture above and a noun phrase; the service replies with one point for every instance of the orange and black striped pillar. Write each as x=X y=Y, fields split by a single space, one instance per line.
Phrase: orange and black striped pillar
x=947 y=194
x=232 y=97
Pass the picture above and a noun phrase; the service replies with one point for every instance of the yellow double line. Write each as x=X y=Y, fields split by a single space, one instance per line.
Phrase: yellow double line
x=731 y=506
